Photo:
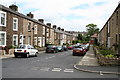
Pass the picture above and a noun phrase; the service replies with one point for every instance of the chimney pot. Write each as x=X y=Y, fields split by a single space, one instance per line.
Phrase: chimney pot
x=54 y=26
x=59 y=28
x=48 y=24
x=41 y=20
x=30 y=15
x=13 y=7
x=62 y=29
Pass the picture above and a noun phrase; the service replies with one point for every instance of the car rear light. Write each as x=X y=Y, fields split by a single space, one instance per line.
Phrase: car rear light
x=25 y=51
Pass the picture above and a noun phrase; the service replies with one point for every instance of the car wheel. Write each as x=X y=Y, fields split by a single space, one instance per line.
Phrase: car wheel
x=27 y=55
x=16 y=56
x=36 y=54
x=73 y=54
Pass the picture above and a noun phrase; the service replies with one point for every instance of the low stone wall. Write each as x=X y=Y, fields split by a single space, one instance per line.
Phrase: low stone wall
x=11 y=51
x=106 y=60
x=2 y=52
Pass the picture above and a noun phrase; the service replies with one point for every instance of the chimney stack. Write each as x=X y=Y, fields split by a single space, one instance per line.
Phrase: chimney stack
x=62 y=29
x=54 y=26
x=48 y=24
x=13 y=7
x=59 y=28
x=41 y=20
x=30 y=15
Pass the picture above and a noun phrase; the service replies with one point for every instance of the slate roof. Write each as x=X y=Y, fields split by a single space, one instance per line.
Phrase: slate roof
x=19 y=14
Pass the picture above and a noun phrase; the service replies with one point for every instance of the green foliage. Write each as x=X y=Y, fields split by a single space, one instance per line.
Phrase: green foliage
x=12 y=47
x=106 y=52
x=110 y=56
x=80 y=37
x=92 y=29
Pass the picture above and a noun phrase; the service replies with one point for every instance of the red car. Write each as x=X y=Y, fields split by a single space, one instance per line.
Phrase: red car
x=70 y=47
x=79 y=51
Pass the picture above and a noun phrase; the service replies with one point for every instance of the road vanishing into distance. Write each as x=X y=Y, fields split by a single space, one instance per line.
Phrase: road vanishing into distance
x=47 y=65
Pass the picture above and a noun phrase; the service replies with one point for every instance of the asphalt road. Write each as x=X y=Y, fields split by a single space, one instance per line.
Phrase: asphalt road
x=46 y=65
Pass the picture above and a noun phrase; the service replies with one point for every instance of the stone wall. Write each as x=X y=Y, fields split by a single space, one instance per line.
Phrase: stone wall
x=102 y=60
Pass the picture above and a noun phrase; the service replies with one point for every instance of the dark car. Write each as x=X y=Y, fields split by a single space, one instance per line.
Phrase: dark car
x=70 y=47
x=51 y=49
x=60 y=48
x=79 y=51
x=65 y=48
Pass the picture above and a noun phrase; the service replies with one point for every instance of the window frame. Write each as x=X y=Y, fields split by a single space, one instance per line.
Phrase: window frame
x=43 y=30
x=16 y=40
x=35 y=29
x=29 y=26
x=2 y=12
x=16 y=24
x=4 y=37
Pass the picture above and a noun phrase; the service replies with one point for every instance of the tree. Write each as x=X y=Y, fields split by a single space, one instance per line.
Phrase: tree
x=79 y=37
x=92 y=29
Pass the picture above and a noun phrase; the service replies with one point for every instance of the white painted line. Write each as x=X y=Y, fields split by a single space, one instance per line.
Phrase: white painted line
x=44 y=69
x=53 y=56
x=56 y=69
x=101 y=73
x=34 y=68
x=46 y=58
x=69 y=70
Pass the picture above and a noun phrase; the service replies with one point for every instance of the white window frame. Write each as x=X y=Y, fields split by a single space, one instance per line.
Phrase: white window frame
x=5 y=38
x=16 y=39
x=16 y=24
x=35 y=29
x=40 y=41
x=1 y=12
x=43 y=30
x=47 y=32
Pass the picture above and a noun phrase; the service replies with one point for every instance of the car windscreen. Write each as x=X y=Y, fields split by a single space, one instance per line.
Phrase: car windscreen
x=21 y=47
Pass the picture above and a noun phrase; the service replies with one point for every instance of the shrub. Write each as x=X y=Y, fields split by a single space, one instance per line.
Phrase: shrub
x=106 y=52
x=110 y=56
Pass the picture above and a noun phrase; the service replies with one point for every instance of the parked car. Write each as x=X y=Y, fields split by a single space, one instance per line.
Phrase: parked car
x=87 y=46
x=51 y=49
x=70 y=47
x=60 y=48
x=78 y=51
x=83 y=46
x=25 y=50
x=65 y=48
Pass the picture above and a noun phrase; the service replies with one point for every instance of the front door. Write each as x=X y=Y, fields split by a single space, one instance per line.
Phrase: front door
x=21 y=39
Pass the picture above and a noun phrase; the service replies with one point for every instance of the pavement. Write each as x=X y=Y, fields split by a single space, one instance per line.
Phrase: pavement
x=89 y=63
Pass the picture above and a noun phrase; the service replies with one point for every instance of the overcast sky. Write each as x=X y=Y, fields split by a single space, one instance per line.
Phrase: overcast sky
x=71 y=15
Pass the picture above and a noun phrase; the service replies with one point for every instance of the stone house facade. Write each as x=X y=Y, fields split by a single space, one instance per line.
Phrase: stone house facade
x=109 y=35
x=17 y=28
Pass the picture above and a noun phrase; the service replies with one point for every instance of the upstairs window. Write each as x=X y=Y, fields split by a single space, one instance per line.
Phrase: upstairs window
x=43 y=30
x=29 y=26
x=2 y=18
x=35 y=29
x=15 y=24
